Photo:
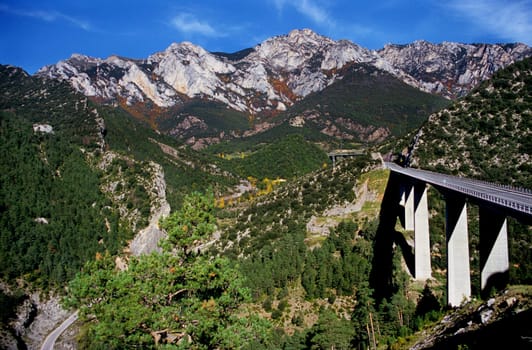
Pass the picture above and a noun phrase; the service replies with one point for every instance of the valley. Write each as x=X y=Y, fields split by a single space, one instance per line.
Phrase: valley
x=187 y=200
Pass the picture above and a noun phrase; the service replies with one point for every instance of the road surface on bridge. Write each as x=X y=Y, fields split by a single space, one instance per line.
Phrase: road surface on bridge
x=512 y=198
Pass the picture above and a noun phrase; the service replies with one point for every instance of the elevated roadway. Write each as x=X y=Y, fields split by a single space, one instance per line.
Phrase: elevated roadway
x=496 y=202
x=515 y=201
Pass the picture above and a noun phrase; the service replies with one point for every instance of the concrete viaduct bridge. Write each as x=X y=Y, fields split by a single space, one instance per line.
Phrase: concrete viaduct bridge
x=339 y=154
x=495 y=203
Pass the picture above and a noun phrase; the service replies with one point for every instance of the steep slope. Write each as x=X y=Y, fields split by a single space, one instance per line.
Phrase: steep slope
x=78 y=179
x=451 y=69
x=266 y=80
x=488 y=134
x=53 y=210
x=366 y=105
x=44 y=101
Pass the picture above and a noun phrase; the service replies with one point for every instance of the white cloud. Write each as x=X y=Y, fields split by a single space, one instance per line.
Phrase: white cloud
x=189 y=24
x=47 y=16
x=308 y=8
x=313 y=11
x=508 y=20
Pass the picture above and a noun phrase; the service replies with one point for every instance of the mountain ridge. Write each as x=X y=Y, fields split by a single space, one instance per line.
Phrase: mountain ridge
x=277 y=222
x=276 y=73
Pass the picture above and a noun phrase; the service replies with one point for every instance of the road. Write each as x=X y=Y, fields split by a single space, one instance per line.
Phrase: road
x=512 y=198
x=49 y=342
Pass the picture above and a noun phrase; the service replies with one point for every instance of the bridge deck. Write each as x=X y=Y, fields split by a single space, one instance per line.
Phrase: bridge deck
x=511 y=198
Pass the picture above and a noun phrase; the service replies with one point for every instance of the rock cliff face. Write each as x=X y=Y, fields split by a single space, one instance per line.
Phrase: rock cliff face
x=451 y=69
x=147 y=240
x=35 y=316
x=276 y=73
x=501 y=322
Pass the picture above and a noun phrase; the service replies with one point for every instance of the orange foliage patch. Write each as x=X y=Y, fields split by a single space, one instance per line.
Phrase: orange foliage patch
x=142 y=112
x=281 y=88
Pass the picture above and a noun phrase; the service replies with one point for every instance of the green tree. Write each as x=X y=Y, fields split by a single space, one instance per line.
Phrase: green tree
x=162 y=299
x=194 y=222
x=331 y=332
x=363 y=317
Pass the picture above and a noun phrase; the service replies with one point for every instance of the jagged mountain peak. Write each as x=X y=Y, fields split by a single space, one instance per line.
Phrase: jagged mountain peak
x=278 y=72
x=303 y=46
x=292 y=51
x=185 y=48
x=452 y=69
x=303 y=36
x=189 y=69
x=300 y=37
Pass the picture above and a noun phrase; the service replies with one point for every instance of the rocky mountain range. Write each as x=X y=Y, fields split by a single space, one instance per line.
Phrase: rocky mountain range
x=59 y=209
x=276 y=73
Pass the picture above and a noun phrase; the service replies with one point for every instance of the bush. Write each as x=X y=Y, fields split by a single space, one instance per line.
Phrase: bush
x=267 y=305
x=277 y=314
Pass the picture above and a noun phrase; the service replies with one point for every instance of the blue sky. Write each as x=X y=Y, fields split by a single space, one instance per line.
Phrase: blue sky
x=37 y=33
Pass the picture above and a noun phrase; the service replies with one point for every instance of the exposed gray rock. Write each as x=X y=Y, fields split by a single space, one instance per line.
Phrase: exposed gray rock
x=452 y=69
x=487 y=325
x=35 y=317
x=147 y=240
x=43 y=128
x=279 y=71
x=49 y=314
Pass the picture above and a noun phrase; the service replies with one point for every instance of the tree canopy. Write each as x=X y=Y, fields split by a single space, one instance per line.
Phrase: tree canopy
x=173 y=298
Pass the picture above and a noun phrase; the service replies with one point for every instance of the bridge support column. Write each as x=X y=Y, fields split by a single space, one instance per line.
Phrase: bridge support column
x=422 y=269
x=458 y=278
x=332 y=157
x=407 y=201
x=494 y=260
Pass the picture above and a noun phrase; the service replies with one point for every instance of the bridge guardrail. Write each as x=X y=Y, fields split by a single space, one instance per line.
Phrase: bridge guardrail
x=429 y=177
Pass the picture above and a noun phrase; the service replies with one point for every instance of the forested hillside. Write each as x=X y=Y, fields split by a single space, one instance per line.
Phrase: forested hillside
x=488 y=134
x=366 y=105
x=54 y=214
x=288 y=158
x=287 y=288
x=293 y=261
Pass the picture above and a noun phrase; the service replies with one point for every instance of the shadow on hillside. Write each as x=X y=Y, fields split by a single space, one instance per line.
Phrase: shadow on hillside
x=382 y=265
x=496 y=282
x=511 y=332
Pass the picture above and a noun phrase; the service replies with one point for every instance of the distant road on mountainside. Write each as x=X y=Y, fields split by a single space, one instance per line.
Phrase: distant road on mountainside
x=49 y=342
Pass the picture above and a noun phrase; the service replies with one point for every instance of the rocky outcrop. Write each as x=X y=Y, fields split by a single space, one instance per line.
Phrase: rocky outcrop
x=49 y=314
x=34 y=318
x=147 y=240
x=451 y=69
x=500 y=322
x=277 y=72
x=331 y=217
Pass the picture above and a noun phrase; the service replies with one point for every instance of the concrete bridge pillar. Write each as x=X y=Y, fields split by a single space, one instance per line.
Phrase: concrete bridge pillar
x=458 y=277
x=407 y=201
x=422 y=269
x=494 y=260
